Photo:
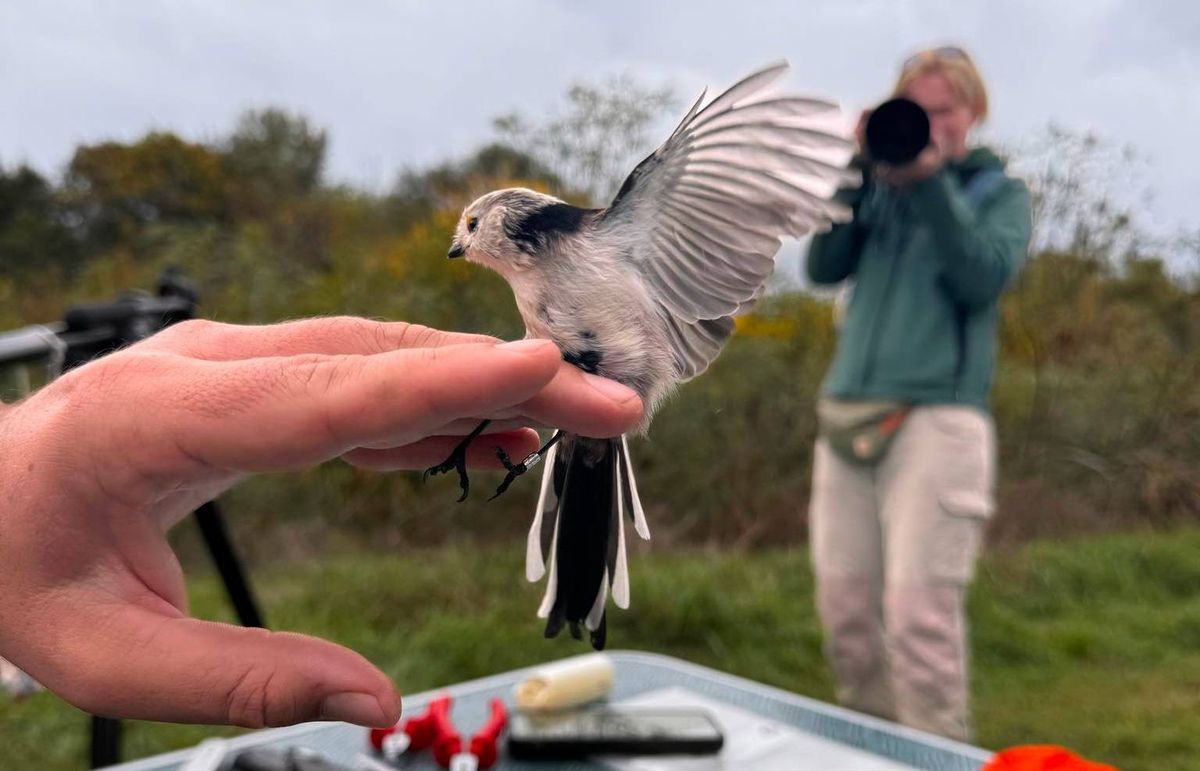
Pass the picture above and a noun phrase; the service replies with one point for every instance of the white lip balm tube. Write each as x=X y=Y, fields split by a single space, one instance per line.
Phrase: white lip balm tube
x=566 y=683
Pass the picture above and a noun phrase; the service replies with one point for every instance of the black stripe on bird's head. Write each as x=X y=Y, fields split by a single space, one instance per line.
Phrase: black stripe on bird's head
x=531 y=230
x=506 y=229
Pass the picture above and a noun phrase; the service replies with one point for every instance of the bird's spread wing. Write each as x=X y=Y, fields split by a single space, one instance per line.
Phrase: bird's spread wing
x=710 y=205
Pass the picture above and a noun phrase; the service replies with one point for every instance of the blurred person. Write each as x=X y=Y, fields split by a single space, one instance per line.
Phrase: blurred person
x=96 y=467
x=905 y=463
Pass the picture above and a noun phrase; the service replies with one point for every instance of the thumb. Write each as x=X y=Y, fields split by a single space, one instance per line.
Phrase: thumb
x=185 y=670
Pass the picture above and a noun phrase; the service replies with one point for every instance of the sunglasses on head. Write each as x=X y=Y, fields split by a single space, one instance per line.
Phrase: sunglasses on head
x=943 y=53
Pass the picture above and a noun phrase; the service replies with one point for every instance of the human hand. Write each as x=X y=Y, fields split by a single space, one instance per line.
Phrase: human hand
x=99 y=464
x=929 y=162
x=860 y=131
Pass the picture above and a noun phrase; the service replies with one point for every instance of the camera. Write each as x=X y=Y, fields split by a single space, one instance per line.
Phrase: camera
x=896 y=132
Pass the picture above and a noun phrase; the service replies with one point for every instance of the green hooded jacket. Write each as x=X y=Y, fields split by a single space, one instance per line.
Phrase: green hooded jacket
x=929 y=263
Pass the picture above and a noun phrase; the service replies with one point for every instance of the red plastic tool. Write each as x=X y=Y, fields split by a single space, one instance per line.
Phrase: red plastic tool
x=415 y=733
x=483 y=744
x=447 y=742
x=481 y=753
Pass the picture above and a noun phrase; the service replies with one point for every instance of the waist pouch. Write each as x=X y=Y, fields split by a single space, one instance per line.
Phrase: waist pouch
x=860 y=432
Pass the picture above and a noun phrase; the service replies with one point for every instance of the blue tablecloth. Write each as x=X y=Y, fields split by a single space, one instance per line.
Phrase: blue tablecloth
x=636 y=673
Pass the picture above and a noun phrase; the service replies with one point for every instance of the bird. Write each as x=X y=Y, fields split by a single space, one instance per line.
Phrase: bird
x=645 y=291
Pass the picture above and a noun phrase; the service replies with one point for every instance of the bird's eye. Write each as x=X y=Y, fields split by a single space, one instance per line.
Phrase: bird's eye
x=472 y=224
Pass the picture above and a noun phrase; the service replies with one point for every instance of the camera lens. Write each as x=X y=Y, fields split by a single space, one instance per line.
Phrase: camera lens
x=897 y=131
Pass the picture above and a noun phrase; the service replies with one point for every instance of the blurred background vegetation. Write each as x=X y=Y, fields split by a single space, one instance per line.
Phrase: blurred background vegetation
x=1096 y=399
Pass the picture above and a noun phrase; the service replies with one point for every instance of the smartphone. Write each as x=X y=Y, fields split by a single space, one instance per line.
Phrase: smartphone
x=610 y=730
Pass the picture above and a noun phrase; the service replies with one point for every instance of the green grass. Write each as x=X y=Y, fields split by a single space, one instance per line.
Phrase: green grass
x=1092 y=643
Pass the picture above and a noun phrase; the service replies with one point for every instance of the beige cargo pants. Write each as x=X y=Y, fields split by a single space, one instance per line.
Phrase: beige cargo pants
x=894 y=547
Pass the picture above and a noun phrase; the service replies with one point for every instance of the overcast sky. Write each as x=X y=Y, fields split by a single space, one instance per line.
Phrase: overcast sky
x=410 y=83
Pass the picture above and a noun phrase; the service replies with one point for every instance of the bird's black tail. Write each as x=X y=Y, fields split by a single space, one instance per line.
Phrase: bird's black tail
x=587 y=492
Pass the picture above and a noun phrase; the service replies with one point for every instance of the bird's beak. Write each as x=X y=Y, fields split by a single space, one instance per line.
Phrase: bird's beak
x=456 y=250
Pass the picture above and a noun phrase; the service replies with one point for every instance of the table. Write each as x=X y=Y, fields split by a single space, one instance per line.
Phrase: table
x=636 y=673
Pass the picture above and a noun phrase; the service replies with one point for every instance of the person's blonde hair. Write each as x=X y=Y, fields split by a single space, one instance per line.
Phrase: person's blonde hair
x=956 y=66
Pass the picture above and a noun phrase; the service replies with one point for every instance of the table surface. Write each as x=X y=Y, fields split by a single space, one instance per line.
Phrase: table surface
x=635 y=673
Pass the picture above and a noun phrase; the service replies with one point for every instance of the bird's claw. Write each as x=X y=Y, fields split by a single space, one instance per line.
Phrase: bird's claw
x=514 y=469
x=458 y=462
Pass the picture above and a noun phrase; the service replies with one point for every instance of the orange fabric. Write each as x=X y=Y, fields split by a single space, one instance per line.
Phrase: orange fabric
x=891 y=424
x=1042 y=757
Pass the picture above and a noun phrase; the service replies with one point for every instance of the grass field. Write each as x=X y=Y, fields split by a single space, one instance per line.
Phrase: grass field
x=1092 y=643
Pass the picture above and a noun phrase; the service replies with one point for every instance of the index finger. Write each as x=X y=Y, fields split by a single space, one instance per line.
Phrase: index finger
x=332 y=336
x=582 y=403
x=285 y=413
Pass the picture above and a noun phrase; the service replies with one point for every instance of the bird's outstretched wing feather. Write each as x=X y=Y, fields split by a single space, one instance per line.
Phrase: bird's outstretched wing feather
x=716 y=198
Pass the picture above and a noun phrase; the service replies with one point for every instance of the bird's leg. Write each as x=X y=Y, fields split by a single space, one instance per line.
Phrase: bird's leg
x=458 y=461
x=516 y=470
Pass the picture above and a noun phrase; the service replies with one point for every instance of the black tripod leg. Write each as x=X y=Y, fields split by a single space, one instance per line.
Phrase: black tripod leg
x=212 y=527
x=106 y=742
x=458 y=461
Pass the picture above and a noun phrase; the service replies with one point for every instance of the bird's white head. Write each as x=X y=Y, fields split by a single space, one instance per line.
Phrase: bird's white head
x=500 y=230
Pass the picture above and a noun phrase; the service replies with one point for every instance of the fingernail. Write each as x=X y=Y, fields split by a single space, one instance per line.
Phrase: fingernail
x=611 y=389
x=524 y=346
x=358 y=708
